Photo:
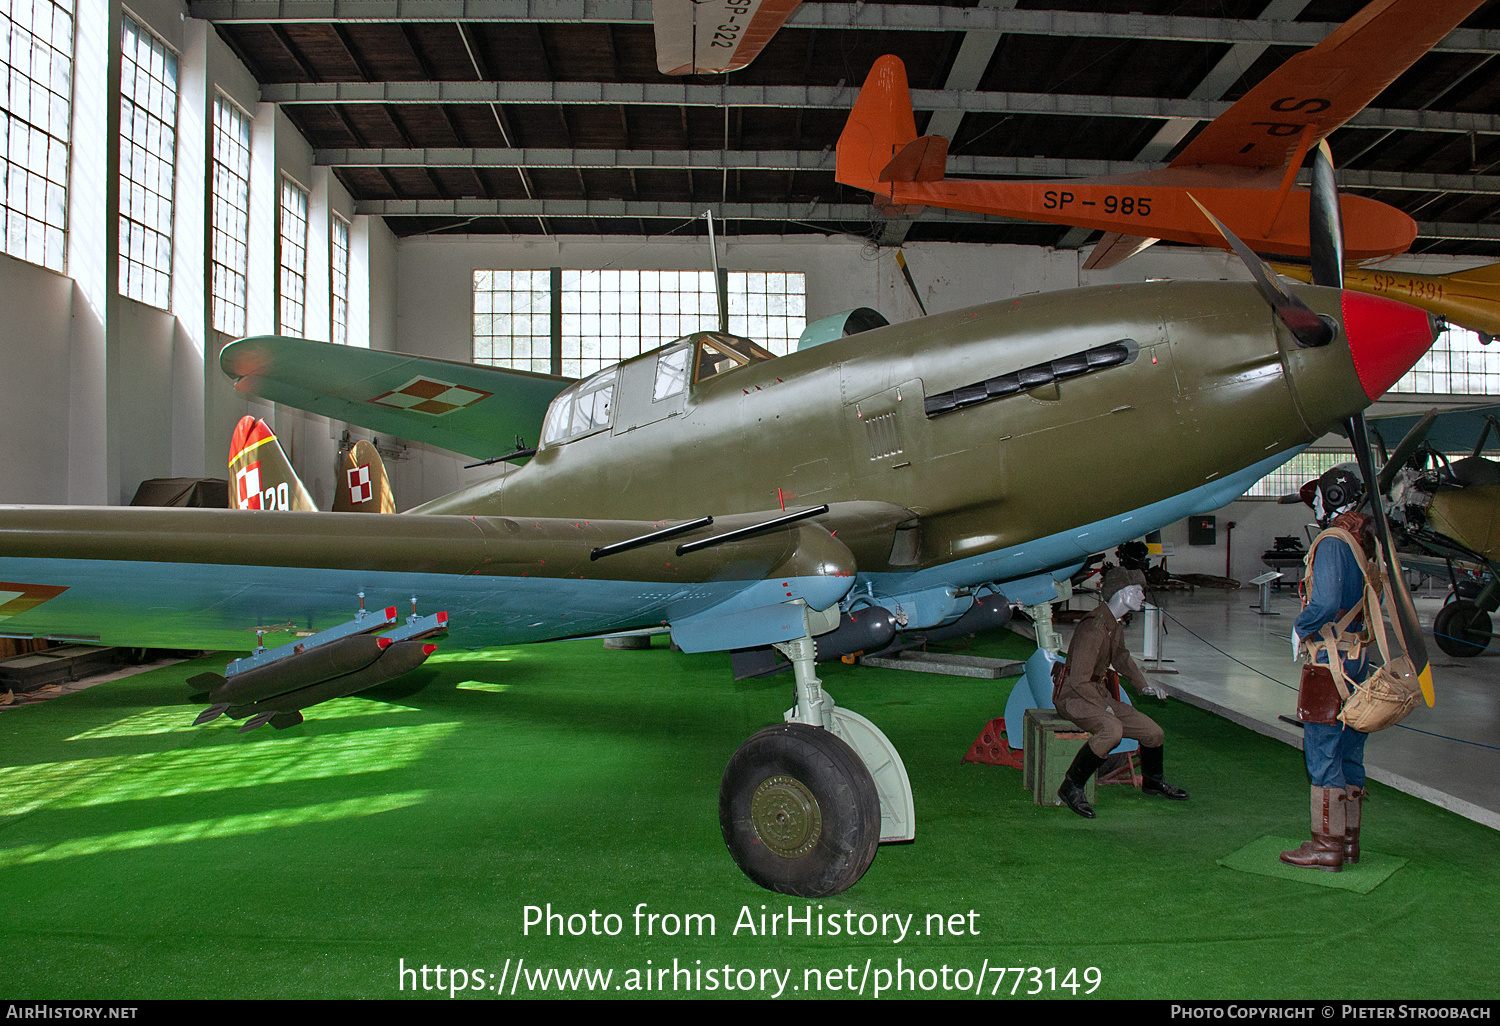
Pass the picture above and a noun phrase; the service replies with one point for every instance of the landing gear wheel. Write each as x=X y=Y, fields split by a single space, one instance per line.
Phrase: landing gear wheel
x=799 y=811
x=1462 y=628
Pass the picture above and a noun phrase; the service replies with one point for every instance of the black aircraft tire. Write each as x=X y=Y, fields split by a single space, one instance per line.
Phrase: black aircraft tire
x=1462 y=628
x=799 y=811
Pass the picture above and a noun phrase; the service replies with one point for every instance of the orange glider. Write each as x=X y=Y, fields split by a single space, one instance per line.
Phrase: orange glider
x=1242 y=166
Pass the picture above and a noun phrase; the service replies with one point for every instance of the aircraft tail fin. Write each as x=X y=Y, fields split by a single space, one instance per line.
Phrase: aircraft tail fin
x=362 y=485
x=880 y=129
x=263 y=476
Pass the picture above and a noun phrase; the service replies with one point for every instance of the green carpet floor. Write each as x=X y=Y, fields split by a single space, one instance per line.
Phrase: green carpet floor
x=141 y=857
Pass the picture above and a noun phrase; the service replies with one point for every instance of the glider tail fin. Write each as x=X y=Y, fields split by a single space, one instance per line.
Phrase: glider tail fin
x=361 y=485
x=879 y=128
x=263 y=477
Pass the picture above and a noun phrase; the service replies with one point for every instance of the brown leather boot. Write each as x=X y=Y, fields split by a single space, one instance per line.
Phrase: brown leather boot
x=1354 y=800
x=1326 y=849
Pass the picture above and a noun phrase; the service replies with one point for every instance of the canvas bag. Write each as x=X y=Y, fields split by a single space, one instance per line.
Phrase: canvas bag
x=1389 y=692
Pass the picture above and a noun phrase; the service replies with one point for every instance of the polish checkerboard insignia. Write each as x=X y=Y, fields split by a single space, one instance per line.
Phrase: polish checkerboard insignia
x=16 y=599
x=360 y=488
x=247 y=486
x=428 y=395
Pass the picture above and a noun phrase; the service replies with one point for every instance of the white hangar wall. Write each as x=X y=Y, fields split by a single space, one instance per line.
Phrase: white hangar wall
x=100 y=391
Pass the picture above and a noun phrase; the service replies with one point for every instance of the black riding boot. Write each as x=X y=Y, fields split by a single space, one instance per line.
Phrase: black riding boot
x=1152 y=781
x=1071 y=791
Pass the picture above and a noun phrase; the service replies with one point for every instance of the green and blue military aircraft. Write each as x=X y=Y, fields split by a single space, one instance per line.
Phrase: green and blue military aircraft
x=907 y=476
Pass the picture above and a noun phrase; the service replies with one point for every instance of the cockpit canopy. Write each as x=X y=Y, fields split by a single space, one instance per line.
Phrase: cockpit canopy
x=588 y=406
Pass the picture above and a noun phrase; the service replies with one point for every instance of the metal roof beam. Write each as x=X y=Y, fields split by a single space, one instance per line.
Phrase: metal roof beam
x=676 y=94
x=734 y=160
x=1448 y=231
x=819 y=160
x=815 y=212
x=632 y=209
x=898 y=17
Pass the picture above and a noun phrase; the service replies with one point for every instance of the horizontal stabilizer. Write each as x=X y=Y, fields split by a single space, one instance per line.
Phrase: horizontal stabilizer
x=468 y=408
x=258 y=720
x=921 y=160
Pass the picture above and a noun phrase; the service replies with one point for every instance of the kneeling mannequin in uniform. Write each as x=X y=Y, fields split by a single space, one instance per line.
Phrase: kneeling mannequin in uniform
x=1099 y=643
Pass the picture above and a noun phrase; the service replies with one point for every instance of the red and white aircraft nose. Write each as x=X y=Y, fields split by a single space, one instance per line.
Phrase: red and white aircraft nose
x=1386 y=339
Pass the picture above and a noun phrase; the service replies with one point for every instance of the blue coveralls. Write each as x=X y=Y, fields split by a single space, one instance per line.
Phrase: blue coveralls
x=1335 y=753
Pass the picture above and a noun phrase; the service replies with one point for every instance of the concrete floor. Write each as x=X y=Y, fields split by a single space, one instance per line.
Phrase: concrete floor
x=1235 y=662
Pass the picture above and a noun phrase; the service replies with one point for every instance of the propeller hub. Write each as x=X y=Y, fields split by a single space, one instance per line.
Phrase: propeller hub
x=1386 y=339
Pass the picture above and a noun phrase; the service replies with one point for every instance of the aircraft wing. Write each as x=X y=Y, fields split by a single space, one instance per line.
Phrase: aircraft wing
x=1325 y=86
x=210 y=578
x=1115 y=248
x=1452 y=432
x=698 y=36
x=469 y=408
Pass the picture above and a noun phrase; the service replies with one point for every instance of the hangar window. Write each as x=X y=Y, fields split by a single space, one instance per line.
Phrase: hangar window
x=291 y=250
x=512 y=319
x=338 y=278
x=583 y=320
x=148 y=147
x=230 y=184
x=36 y=89
x=1296 y=472
x=1457 y=364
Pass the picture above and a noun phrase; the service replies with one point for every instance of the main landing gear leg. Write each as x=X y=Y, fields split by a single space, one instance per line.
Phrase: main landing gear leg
x=804 y=804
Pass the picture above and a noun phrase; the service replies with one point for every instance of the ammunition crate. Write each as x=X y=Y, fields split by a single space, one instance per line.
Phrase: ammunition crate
x=1050 y=742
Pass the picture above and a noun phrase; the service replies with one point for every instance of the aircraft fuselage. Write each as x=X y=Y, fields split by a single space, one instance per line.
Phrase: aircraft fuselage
x=1210 y=387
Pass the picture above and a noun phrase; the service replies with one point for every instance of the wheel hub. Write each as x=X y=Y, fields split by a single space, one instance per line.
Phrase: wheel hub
x=785 y=816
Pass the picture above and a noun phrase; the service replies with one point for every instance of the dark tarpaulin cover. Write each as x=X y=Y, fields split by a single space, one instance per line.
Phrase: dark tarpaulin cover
x=203 y=492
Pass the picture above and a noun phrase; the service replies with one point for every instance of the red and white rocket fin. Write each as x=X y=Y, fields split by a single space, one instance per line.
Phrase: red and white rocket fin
x=361 y=485
x=260 y=475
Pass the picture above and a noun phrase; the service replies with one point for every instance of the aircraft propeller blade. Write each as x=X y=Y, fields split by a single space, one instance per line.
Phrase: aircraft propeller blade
x=1404 y=451
x=1310 y=330
x=1325 y=223
x=1401 y=603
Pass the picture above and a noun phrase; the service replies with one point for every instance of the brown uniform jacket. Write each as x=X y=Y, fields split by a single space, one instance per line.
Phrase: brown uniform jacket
x=1099 y=643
